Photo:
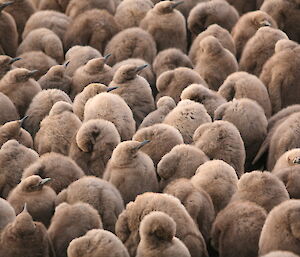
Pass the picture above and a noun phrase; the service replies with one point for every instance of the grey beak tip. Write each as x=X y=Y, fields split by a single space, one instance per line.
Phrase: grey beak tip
x=14 y=60
x=23 y=120
x=111 y=89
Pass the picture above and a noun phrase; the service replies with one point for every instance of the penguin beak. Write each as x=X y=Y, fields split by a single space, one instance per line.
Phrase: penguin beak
x=44 y=181
x=66 y=64
x=296 y=160
x=139 y=68
x=31 y=73
x=142 y=144
x=111 y=89
x=14 y=60
x=265 y=23
x=21 y=121
x=106 y=57
x=2 y=6
x=175 y=4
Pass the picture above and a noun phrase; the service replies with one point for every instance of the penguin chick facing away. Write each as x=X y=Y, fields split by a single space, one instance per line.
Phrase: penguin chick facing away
x=10 y=113
x=166 y=25
x=221 y=140
x=7 y=213
x=281 y=229
x=70 y=222
x=196 y=201
x=100 y=194
x=244 y=7
x=40 y=199
x=181 y=162
x=97 y=242
x=158 y=133
x=6 y=64
x=61 y=169
x=113 y=108
x=93 y=146
x=239 y=222
x=157 y=232
x=219 y=180
x=131 y=171
x=25 y=238
x=14 y=158
x=287 y=159
x=57 y=130
x=187 y=116
x=262 y=188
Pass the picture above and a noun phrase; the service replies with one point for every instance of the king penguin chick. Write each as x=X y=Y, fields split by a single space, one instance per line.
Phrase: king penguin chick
x=40 y=199
x=10 y=112
x=288 y=159
x=244 y=7
x=166 y=25
x=157 y=232
x=6 y=64
x=131 y=171
x=7 y=213
x=93 y=146
x=56 y=5
x=280 y=254
x=57 y=130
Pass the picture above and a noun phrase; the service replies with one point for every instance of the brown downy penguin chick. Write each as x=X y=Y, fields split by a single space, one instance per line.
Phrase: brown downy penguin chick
x=219 y=33
x=157 y=134
x=221 y=140
x=6 y=64
x=25 y=238
x=9 y=33
x=210 y=99
x=196 y=201
x=93 y=146
x=219 y=180
x=14 y=158
x=99 y=242
x=157 y=232
x=40 y=107
x=250 y=120
x=166 y=25
x=187 y=116
x=56 y=5
x=281 y=77
x=102 y=195
x=127 y=226
x=131 y=171
x=95 y=71
x=164 y=105
x=173 y=82
x=288 y=159
x=57 y=130
x=10 y=112
x=281 y=229
x=40 y=199
x=20 y=88
x=55 y=21
x=262 y=188
x=61 y=169
x=212 y=57
x=7 y=213
x=259 y=49
x=70 y=222
x=181 y=162
x=240 y=222
x=131 y=43
x=212 y=12
x=280 y=254
x=130 y=12
x=286 y=14
x=247 y=26
x=245 y=85
x=93 y=27
x=244 y=7
x=170 y=59
x=44 y=40
x=135 y=90
x=113 y=108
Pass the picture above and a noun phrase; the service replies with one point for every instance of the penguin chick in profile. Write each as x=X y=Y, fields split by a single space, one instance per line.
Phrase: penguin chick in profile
x=40 y=199
x=262 y=188
x=181 y=162
x=187 y=116
x=93 y=146
x=14 y=158
x=61 y=169
x=288 y=159
x=57 y=130
x=70 y=222
x=166 y=25
x=157 y=232
x=221 y=140
x=210 y=99
x=239 y=222
x=164 y=105
x=6 y=64
x=20 y=88
x=281 y=229
x=213 y=56
x=135 y=90
x=25 y=238
x=10 y=113
x=97 y=242
x=7 y=213
x=131 y=171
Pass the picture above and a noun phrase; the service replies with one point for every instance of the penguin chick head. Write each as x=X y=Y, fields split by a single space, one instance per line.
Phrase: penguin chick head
x=7 y=61
x=12 y=128
x=5 y=4
x=127 y=72
x=195 y=92
x=97 y=64
x=33 y=183
x=23 y=224
x=210 y=46
x=21 y=75
x=166 y=6
x=166 y=102
x=57 y=71
x=260 y=19
x=157 y=226
x=60 y=107
x=285 y=44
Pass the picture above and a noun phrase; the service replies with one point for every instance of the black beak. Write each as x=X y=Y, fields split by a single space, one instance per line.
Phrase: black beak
x=139 y=68
x=111 y=89
x=296 y=160
x=265 y=23
x=14 y=60
x=175 y=4
x=66 y=64
x=32 y=73
x=44 y=181
x=2 y=6
x=21 y=121
x=106 y=57
x=142 y=144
